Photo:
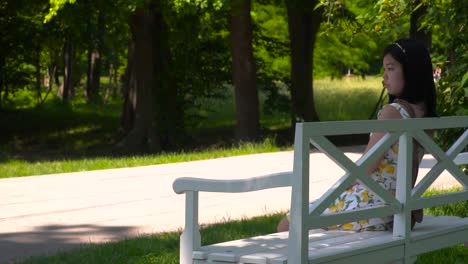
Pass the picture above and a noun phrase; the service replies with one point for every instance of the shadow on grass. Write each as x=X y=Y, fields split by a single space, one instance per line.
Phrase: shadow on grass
x=57 y=131
x=157 y=248
x=50 y=239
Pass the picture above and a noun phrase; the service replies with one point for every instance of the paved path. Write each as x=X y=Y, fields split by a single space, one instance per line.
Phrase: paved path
x=42 y=214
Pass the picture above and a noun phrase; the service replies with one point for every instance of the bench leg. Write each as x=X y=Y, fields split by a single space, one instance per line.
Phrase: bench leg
x=190 y=239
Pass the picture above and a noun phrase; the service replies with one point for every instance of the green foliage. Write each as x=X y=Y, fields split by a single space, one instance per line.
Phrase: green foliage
x=202 y=31
x=383 y=18
x=271 y=51
x=20 y=99
x=21 y=40
x=448 y=21
x=353 y=35
x=451 y=54
x=453 y=91
x=181 y=5
x=55 y=6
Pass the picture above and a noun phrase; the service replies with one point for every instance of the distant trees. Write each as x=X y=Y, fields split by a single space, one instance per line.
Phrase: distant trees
x=164 y=56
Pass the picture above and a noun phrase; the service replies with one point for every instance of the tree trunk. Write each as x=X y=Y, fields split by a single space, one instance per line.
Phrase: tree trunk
x=92 y=83
x=141 y=136
x=168 y=115
x=415 y=32
x=94 y=60
x=38 y=84
x=51 y=69
x=114 y=80
x=68 y=70
x=303 y=23
x=129 y=83
x=2 y=62
x=244 y=71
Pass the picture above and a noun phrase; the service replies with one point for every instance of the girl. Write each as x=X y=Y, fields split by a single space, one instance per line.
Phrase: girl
x=410 y=86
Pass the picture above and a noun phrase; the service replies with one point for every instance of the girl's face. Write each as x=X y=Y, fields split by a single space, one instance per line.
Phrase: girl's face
x=393 y=76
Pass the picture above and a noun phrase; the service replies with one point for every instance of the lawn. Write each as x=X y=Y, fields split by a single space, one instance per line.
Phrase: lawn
x=56 y=138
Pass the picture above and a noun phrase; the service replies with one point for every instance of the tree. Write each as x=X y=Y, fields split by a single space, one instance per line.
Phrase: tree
x=21 y=47
x=304 y=22
x=416 y=31
x=95 y=31
x=244 y=71
x=140 y=92
x=68 y=70
x=69 y=22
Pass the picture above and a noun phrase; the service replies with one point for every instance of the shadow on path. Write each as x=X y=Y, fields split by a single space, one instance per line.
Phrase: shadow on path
x=48 y=240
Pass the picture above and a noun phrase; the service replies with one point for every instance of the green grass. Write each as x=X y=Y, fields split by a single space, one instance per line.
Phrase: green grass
x=338 y=99
x=15 y=168
x=346 y=99
x=164 y=248
x=56 y=137
x=161 y=248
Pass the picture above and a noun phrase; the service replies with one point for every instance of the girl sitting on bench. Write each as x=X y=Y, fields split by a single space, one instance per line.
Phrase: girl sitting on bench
x=411 y=89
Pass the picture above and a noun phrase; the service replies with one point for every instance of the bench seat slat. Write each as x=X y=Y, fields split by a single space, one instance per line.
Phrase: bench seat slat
x=434 y=225
x=444 y=231
x=338 y=246
x=258 y=244
x=314 y=245
x=271 y=247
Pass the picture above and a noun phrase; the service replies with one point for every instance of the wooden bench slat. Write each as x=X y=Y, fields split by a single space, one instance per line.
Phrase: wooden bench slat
x=335 y=245
x=270 y=247
x=440 y=233
x=377 y=249
x=314 y=245
x=258 y=244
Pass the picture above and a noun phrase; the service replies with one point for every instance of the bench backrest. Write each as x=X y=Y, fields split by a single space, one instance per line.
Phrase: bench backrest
x=406 y=199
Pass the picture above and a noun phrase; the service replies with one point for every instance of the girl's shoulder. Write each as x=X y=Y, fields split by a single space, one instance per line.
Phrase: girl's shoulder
x=393 y=111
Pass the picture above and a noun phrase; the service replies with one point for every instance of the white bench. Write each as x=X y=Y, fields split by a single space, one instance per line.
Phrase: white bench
x=306 y=242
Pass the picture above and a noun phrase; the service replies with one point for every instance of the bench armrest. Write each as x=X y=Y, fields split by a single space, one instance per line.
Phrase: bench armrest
x=190 y=239
x=185 y=184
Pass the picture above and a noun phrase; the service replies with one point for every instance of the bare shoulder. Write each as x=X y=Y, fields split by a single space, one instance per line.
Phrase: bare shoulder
x=389 y=112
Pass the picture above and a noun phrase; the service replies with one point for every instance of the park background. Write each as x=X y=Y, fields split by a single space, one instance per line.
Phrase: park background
x=100 y=84
x=104 y=78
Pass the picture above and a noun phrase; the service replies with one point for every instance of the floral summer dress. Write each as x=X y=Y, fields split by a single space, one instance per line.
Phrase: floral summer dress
x=359 y=196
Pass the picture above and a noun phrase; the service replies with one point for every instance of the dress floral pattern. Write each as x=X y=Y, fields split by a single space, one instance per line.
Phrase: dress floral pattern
x=359 y=196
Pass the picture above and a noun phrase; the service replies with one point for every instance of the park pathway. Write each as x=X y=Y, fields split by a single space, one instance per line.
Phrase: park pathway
x=40 y=215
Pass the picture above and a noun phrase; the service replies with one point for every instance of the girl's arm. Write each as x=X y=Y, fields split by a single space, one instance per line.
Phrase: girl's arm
x=388 y=112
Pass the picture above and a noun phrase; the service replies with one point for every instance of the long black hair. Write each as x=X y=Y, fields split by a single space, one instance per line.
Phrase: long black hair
x=417 y=73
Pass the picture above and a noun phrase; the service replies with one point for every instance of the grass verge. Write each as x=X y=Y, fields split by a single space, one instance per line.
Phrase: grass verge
x=16 y=168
